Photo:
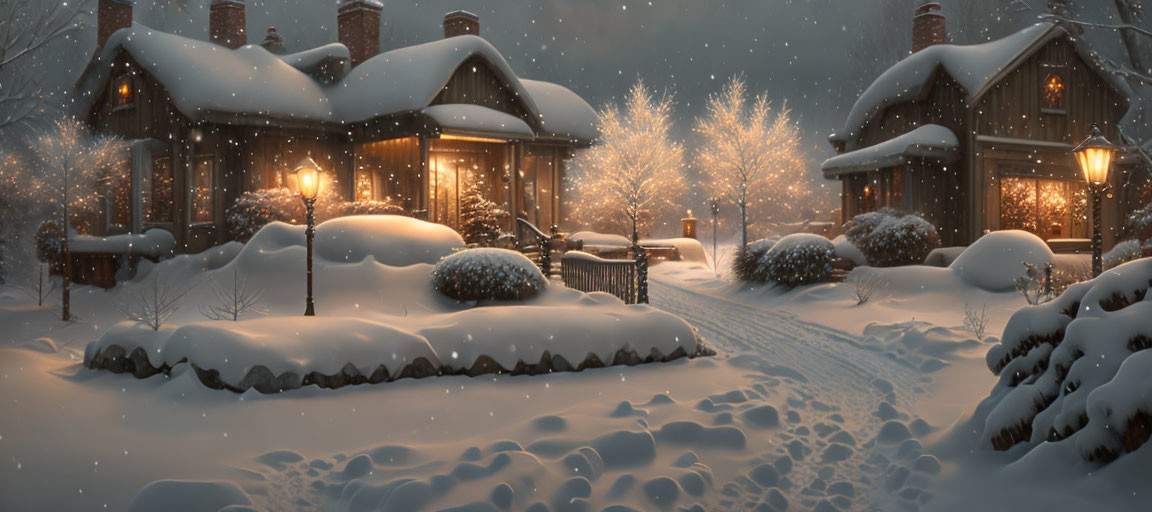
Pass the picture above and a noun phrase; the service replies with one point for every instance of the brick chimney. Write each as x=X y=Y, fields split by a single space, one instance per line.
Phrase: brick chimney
x=928 y=27
x=459 y=23
x=226 y=23
x=358 y=24
x=112 y=15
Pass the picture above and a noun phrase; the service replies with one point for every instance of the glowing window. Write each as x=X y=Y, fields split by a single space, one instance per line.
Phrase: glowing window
x=1054 y=92
x=122 y=91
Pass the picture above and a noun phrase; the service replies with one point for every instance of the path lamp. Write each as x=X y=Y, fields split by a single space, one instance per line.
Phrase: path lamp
x=1095 y=156
x=307 y=174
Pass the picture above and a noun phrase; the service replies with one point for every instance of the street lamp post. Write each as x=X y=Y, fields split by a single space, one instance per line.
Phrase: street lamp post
x=1095 y=156
x=307 y=174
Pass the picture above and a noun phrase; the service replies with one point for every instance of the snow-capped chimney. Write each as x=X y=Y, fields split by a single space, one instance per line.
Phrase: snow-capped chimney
x=928 y=27
x=459 y=23
x=358 y=24
x=112 y=15
x=226 y=23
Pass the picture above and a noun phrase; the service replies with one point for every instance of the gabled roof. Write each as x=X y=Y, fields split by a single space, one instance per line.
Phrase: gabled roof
x=254 y=84
x=928 y=141
x=975 y=67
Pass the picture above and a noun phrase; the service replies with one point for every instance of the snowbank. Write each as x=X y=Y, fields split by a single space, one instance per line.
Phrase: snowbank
x=845 y=250
x=690 y=249
x=380 y=317
x=1074 y=371
x=154 y=243
x=995 y=260
x=592 y=238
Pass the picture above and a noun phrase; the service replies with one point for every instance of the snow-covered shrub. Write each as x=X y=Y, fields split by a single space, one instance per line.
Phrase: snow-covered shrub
x=746 y=263
x=49 y=239
x=1124 y=252
x=895 y=239
x=256 y=209
x=1074 y=372
x=1138 y=226
x=993 y=262
x=488 y=274
x=860 y=226
x=365 y=207
x=797 y=259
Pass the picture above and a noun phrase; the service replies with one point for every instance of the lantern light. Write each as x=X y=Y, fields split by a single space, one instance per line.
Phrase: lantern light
x=1095 y=157
x=307 y=174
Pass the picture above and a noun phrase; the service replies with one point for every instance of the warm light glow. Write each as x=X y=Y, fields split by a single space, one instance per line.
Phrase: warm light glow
x=1053 y=92
x=689 y=213
x=125 y=90
x=446 y=136
x=307 y=174
x=1094 y=162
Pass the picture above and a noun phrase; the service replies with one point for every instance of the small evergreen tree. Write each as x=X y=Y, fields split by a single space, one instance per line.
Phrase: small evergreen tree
x=479 y=217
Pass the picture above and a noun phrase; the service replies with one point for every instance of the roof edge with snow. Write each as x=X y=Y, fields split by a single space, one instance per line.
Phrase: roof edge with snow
x=930 y=141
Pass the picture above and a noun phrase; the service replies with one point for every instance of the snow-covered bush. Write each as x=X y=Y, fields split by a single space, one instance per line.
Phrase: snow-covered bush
x=49 y=240
x=256 y=209
x=993 y=262
x=1122 y=253
x=488 y=274
x=860 y=226
x=746 y=263
x=1074 y=371
x=890 y=238
x=365 y=207
x=1138 y=226
x=797 y=259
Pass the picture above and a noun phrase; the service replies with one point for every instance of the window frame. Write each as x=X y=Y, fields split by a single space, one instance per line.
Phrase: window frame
x=192 y=186
x=1061 y=105
x=123 y=78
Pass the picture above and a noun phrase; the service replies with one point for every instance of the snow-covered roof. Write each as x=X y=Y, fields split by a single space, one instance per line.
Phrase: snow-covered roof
x=974 y=67
x=470 y=119
x=205 y=78
x=928 y=141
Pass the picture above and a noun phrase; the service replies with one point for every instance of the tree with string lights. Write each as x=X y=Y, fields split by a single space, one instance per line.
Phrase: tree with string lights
x=635 y=171
x=70 y=164
x=751 y=155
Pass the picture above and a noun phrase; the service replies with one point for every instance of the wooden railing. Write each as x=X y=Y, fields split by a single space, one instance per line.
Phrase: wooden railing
x=626 y=279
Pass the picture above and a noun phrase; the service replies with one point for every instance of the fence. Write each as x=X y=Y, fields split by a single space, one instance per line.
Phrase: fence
x=626 y=279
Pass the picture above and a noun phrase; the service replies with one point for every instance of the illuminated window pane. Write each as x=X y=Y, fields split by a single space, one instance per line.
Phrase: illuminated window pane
x=1054 y=92
x=156 y=192
x=123 y=92
x=1046 y=207
x=203 y=190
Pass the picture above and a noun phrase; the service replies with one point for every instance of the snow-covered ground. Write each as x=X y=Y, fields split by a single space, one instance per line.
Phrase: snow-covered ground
x=812 y=403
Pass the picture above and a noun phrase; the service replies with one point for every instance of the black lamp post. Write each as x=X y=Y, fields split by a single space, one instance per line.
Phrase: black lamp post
x=1095 y=157
x=715 y=214
x=307 y=174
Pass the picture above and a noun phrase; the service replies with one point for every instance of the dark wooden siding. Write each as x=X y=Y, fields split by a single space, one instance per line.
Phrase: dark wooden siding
x=474 y=82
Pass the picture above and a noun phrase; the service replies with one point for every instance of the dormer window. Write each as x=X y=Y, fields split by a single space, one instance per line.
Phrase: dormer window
x=123 y=92
x=1053 y=94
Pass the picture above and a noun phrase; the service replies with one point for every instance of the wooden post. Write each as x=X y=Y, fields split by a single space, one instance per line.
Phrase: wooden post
x=641 y=275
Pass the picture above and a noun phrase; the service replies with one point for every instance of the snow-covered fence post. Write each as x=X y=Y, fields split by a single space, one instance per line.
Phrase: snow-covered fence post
x=545 y=256
x=641 y=275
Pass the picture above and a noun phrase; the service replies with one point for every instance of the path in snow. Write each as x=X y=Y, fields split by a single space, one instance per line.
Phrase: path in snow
x=831 y=373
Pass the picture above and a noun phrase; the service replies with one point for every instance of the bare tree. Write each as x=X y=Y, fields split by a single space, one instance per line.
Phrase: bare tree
x=976 y=320
x=635 y=171
x=750 y=156
x=71 y=164
x=865 y=285
x=232 y=300
x=26 y=28
x=153 y=305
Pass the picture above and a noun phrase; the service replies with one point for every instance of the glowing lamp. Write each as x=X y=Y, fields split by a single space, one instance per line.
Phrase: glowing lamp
x=307 y=174
x=689 y=225
x=1095 y=156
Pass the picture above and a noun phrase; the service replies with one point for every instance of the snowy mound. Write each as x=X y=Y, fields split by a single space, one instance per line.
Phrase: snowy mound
x=690 y=249
x=1074 y=371
x=488 y=274
x=995 y=260
x=153 y=243
x=592 y=238
x=389 y=239
x=848 y=251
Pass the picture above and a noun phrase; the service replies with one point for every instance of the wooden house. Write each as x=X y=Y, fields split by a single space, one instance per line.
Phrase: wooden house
x=979 y=138
x=210 y=120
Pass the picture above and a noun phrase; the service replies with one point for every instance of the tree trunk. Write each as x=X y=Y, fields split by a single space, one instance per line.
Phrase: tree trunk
x=66 y=282
x=1132 y=39
x=743 y=225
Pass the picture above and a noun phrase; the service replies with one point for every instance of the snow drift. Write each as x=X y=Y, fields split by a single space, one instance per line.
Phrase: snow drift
x=995 y=260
